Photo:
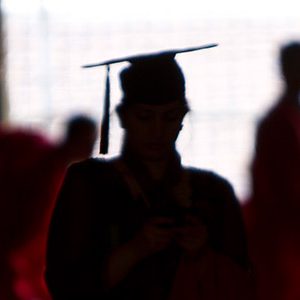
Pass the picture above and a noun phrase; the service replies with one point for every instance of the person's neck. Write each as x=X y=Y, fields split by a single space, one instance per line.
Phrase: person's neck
x=156 y=168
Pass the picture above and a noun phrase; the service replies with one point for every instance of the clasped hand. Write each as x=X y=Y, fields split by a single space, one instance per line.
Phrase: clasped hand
x=159 y=232
x=191 y=237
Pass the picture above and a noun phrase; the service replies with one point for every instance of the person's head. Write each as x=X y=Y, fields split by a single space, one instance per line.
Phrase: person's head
x=81 y=133
x=153 y=106
x=290 y=64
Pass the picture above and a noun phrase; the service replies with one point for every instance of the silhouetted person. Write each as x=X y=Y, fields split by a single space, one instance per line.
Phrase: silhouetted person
x=32 y=171
x=273 y=212
x=142 y=226
x=19 y=150
x=78 y=142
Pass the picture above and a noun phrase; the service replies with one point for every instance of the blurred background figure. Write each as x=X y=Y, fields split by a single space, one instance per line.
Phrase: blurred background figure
x=273 y=213
x=19 y=151
x=81 y=133
x=31 y=171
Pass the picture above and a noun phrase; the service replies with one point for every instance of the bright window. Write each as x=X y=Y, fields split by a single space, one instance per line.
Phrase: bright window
x=229 y=87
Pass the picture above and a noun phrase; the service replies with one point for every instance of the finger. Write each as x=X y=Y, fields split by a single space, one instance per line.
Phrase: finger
x=163 y=234
x=163 y=241
x=192 y=227
x=191 y=244
x=184 y=230
x=193 y=220
x=161 y=220
x=191 y=234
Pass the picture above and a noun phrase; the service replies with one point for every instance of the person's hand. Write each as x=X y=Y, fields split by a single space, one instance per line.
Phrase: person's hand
x=156 y=235
x=191 y=237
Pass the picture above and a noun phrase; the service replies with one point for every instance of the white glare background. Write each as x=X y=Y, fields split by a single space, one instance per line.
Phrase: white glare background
x=229 y=87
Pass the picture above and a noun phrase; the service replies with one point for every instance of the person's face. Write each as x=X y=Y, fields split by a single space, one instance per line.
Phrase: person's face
x=151 y=130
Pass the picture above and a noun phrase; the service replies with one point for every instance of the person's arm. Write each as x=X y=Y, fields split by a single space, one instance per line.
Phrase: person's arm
x=192 y=236
x=220 y=212
x=147 y=241
x=234 y=237
x=77 y=266
x=71 y=266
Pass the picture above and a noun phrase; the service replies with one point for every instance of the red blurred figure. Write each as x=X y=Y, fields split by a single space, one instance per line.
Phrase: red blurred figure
x=13 y=171
x=273 y=212
x=31 y=181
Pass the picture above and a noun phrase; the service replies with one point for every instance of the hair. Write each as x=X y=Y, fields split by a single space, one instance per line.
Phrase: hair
x=78 y=124
x=290 y=60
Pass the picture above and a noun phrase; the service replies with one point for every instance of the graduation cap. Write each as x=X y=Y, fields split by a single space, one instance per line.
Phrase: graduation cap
x=153 y=78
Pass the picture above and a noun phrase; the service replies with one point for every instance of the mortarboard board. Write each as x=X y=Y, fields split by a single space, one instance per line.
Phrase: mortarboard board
x=142 y=78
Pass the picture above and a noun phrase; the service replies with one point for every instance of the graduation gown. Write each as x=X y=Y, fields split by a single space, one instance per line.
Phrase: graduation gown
x=97 y=210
